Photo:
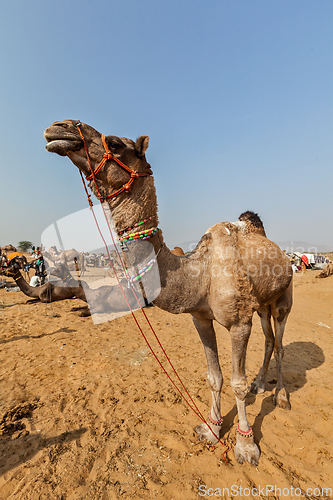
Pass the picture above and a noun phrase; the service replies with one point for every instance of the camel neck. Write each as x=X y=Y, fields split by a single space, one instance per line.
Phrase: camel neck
x=127 y=210
x=161 y=283
x=28 y=290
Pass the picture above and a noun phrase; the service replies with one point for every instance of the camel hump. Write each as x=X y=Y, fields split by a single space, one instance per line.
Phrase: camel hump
x=253 y=219
x=178 y=251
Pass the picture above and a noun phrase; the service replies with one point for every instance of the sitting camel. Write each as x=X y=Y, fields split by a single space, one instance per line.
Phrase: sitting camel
x=47 y=292
x=327 y=271
x=8 y=249
x=233 y=272
x=15 y=258
x=100 y=300
x=18 y=258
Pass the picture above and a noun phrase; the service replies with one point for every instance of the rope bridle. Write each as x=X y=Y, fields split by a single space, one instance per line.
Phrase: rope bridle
x=108 y=155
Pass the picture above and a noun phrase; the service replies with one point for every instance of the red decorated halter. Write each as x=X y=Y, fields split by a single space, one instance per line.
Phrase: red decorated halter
x=108 y=156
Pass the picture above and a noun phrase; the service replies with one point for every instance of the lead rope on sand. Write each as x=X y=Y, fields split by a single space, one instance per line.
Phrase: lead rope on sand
x=194 y=408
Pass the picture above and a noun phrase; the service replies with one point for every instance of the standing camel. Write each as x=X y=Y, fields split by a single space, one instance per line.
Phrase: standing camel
x=233 y=272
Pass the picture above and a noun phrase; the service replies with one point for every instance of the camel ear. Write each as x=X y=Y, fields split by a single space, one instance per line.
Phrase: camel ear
x=141 y=145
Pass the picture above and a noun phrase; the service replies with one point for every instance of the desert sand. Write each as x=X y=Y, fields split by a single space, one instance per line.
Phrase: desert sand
x=87 y=413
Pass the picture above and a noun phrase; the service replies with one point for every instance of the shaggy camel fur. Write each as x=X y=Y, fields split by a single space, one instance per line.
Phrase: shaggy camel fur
x=327 y=271
x=233 y=272
x=47 y=292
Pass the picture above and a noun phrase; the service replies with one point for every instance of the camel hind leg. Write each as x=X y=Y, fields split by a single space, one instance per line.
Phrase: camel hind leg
x=281 y=397
x=215 y=380
x=258 y=386
x=280 y=312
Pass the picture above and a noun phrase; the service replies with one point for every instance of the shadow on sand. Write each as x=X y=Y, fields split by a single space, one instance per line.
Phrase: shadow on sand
x=31 y=337
x=18 y=451
x=299 y=357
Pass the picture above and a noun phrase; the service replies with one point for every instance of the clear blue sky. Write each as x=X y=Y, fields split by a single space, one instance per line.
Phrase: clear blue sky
x=236 y=97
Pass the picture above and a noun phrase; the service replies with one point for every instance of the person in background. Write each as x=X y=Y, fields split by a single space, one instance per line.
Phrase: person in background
x=40 y=269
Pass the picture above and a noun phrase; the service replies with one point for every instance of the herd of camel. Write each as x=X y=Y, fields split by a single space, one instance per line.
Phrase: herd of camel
x=106 y=298
x=234 y=272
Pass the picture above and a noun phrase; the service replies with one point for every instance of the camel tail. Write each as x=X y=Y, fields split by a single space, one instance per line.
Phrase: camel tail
x=254 y=220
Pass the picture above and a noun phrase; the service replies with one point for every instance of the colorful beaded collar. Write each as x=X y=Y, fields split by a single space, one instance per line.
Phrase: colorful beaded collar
x=140 y=235
x=135 y=225
x=144 y=270
x=125 y=236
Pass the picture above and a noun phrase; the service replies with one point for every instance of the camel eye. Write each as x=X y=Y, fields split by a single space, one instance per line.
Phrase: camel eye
x=114 y=143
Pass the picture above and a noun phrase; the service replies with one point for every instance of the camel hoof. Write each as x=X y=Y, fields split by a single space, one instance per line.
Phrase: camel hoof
x=257 y=387
x=205 y=434
x=85 y=314
x=246 y=451
x=281 y=399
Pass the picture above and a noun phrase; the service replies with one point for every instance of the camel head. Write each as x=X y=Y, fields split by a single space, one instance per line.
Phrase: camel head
x=11 y=270
x=61 y=271
x=64 y=139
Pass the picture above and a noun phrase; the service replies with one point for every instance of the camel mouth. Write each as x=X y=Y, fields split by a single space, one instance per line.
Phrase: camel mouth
x=62 y=146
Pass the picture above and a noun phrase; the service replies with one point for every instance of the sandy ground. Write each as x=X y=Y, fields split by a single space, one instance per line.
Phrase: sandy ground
x=87 y=413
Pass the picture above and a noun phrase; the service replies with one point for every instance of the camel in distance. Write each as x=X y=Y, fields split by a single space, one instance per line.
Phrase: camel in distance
x=66 y=258
x=327 y=271
x=234 y=271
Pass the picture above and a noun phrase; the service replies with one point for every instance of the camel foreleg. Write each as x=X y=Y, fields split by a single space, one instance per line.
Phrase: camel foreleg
x=245 y=449
x=85 y=311
x=214 y=378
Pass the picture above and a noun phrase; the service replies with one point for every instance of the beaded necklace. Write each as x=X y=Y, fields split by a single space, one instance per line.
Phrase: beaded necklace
x=144 y=270
x=134 y=225
x=125 y=236
x=140 y=235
